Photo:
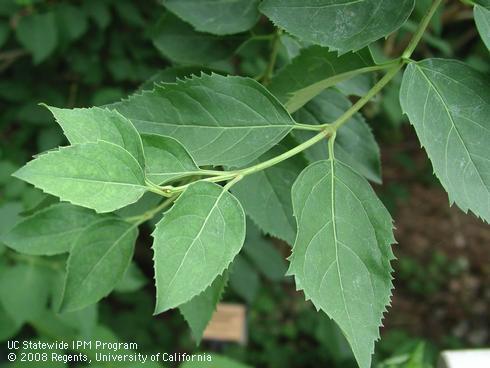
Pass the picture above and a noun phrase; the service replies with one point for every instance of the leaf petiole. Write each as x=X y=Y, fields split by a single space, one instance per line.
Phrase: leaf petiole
x=421 y=29
x=148 y=215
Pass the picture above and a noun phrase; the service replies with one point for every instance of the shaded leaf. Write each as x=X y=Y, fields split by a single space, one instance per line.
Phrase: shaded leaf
x=315 y=69
x=38 y=34
x=99 y=11
x=448 y=103
x=52 y=230
x=4 y=32
x=24 y=291
x=10 y=327
x=266 y=195
x=199 y=310
x=10 y=214
x=244 y=279
x=355 y=144
x=98 y=261
x=133 y=280
x=195 y=242
x=356 y=86
x=217 y=361
x=341 y=257
x=179 y=42
x=219 y=17
x=482 y=20
x=263 y=254
x=101 y=175
x=72 y=22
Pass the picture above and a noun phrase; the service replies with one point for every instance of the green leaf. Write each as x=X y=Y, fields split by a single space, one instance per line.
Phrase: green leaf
x=356 y=86
x=179 y=42
x=219 y=120
x=331 y=337
x=38 y=34
x=10 y=214
x=50 y=231
x=313 y=70
x=4 y=32
x=199 y=310
x=101 y=175
x=341 y=257
x=482 y=20
x=244 y=279
x=448 y=103
x=24 y=291
x=484 y=3
x=355 y=144
x=166 y=159
x=133 y=280
x=10 y=327
x=70 y=325
x=220 y=17
x=217 y=361
x=263 y=254
x=99 y=11
x=195 y=242
x=266 y=195
x=72 y=22
x=171 y=75
x=148 y=201
x=97 y=262
x=91 y=125
x=338 y=24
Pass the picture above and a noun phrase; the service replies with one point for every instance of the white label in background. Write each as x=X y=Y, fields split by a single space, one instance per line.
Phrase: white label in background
x=465 y=359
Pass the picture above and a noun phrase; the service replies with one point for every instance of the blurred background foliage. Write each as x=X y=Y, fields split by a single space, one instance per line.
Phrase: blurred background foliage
x=94 y=52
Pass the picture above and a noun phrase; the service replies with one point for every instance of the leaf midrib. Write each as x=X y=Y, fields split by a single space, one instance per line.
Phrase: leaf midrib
x=336 y=241
x=206 y=219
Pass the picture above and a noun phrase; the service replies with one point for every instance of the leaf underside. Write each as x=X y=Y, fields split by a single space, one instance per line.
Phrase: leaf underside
x=266 y=195
x=448 y=103
x=97 y=262
x=338 y=24
x=341 y=257
x=313 y=70
x=50 y=231
x=101 y=176
x=93 y=124
x=219 y=120
x=166 y=159
x=195 y=242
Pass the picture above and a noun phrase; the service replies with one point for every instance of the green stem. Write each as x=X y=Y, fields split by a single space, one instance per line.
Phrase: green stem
x=327 y=130
x=273 y=58
x=420 y=31
x=232 y=182
x=313 y=127
x=138 y=220
x=208 y=172
x=365 y=99
x=331 y=141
